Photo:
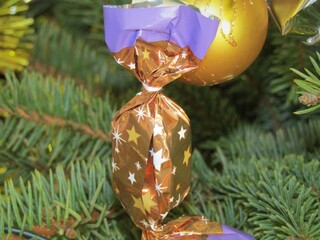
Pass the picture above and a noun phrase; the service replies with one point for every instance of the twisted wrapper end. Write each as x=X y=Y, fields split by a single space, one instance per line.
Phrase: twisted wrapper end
x=194 y=228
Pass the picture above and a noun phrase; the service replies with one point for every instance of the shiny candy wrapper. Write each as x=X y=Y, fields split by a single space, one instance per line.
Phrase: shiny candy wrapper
x=151 y=137
x=299 y=17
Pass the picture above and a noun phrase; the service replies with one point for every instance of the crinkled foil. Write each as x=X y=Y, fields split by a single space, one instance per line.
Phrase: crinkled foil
x=151 y=136
x=186 y=228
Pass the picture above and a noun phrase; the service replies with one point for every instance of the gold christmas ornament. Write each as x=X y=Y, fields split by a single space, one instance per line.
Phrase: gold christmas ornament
x=298 y=17
x=239 y=39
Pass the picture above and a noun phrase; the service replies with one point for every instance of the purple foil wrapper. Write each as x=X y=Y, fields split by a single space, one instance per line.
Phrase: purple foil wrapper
x=231 y=234
x=180 y=25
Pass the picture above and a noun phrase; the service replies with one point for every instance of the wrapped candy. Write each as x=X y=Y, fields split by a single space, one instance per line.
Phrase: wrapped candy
x=298 y=17
x=151 y=136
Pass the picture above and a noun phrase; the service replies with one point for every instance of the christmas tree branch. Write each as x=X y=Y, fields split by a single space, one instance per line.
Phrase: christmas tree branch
x=62 y=206
x=45 y=121
x=62 y=54
x=55 y=121
x=310 y=86
x=58 y=104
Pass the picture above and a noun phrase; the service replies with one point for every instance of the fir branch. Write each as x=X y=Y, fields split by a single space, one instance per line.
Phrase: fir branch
x=62 y=54
x=310 y=86
x=45 y=122
x=277 y=203
x=44 y=119
x=58 y=103
x=25 y=145
x=274 y=83
x=79 y=205
x=252 y=141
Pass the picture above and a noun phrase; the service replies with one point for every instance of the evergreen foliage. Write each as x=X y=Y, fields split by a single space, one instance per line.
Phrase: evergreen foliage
x=255 y=164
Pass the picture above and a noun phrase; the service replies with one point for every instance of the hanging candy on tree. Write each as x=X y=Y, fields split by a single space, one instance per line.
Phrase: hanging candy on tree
x=15 y=35
x=300 y=17
x=151 y=134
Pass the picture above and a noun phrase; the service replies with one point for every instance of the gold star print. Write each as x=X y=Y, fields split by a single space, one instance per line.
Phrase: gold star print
x=145 y=54
x=178 y=187
x=187 y=156
x=139 y=204
x=147 y=201
x=133 y=135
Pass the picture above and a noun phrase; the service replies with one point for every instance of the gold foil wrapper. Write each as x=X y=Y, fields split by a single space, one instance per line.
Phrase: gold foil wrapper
x=186 y=228
x=156 y=64
x=151 y=135
x=151 y=157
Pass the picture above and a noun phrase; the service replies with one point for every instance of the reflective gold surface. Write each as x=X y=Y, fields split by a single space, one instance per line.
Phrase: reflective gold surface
x=239 y=39
x=151 y=135
x=284 y=10
x=151 y=145
x=186 y=228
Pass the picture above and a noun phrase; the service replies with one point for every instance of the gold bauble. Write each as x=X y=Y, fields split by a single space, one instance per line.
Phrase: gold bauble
x=240 y=38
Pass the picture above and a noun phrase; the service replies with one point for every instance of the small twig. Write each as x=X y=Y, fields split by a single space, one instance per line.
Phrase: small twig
x=45 y=119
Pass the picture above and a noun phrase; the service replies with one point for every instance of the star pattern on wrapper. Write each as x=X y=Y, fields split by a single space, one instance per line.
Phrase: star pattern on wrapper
x=152 y=224
x=114 y=166
x=117 y=138
x=184 y=54
x=163 y=216
x=132 y=66
x=145 y=54
x=132 y=178
x=182 y=133
x=151 y=152
x=178 y=201
x=138 y=204
x=174 y=170
x=140 y=113
x=138 y=166
x=159 y=187
x=157 y=130
x=148 y=202
x=187 y=155
x=206 y=220
x=119 y=61
x=158 y=159
x=133 y=135
x=149 y=180
x=145 y=223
